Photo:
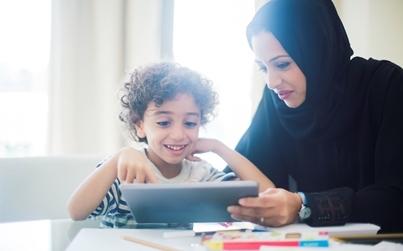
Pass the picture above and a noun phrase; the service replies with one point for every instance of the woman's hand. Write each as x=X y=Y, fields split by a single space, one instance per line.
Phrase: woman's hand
x=273 y=207
x=133 y=166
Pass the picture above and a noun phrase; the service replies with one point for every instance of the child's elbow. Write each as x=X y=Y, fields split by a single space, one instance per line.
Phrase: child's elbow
x=77 y=217
x=75 y=214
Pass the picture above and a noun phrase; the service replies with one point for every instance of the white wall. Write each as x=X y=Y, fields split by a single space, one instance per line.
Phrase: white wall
x=375 y=27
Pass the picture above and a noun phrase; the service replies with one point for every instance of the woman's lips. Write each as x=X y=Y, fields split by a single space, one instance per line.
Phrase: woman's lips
x=283 y=95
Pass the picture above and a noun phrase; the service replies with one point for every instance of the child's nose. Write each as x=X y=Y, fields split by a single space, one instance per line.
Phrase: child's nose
x=178 y=133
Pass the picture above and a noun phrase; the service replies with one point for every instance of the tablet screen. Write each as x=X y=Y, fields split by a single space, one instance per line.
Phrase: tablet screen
x=186 y=202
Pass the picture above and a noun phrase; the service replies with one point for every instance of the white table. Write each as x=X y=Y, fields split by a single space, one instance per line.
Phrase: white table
x=112 y=239
x=59 y=235
x=41 y=235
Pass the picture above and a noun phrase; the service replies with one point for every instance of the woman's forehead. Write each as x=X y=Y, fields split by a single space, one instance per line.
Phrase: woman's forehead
x=267 y=47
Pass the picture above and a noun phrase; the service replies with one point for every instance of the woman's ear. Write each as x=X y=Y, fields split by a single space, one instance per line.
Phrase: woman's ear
x=140 y=129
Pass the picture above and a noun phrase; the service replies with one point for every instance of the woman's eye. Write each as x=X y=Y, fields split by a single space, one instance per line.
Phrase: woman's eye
x=190 y=124
x=262 y=68
x=282 y=65
x=163 y=123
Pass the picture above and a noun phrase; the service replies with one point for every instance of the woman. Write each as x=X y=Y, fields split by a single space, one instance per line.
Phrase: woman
x=328 y=125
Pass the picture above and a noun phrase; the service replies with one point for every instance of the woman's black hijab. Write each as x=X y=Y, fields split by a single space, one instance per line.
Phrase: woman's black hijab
x=313 y=35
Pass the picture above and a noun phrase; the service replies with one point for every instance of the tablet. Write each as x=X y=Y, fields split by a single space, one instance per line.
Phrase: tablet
x=186 y=202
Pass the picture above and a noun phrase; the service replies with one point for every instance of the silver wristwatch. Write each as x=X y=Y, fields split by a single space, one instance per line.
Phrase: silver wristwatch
x=305 y=212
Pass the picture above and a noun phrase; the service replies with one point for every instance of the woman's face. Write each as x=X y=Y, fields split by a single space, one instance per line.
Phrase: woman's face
x=282 y=74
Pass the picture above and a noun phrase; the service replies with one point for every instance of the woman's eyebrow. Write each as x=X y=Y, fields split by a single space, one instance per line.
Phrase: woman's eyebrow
x=259 y=62
x=277 y=57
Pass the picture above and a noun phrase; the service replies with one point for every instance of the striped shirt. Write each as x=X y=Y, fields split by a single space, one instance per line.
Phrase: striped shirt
x=114 y=210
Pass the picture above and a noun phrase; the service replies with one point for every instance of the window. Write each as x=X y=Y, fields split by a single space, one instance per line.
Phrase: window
x=209 y=36
x=24 y=50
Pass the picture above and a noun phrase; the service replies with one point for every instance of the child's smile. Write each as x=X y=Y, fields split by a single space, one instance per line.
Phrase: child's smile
x=176 y=148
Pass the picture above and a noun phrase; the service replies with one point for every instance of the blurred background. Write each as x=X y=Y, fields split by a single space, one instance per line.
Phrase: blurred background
x=62 y=63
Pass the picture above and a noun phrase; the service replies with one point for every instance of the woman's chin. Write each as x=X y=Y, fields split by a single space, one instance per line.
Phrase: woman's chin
x=293 y=104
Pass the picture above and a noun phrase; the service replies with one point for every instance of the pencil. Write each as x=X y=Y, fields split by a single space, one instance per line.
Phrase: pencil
x=371 y=239
x=149 y=243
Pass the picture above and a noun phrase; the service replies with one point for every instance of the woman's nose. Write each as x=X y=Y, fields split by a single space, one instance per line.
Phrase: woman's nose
x=272 y=80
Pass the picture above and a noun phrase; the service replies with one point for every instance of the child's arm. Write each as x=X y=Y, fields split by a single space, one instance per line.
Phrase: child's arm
x=245 y=169
x=125 y=164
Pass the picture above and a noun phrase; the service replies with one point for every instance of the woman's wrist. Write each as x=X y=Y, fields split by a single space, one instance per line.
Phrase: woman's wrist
x=298 y=205
x=300 y=199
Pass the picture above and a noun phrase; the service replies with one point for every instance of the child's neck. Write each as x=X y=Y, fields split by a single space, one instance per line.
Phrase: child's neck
x=167 y=170
x=170 y=172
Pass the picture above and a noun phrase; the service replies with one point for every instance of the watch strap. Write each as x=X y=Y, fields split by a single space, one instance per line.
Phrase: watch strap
x=304 y=212
x=303 y=198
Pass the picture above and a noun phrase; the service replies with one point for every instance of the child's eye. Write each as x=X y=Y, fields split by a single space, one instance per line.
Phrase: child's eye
x=190 y=124
x=163 y=123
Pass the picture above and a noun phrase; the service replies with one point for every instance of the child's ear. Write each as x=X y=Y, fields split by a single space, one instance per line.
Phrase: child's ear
x=140 y=129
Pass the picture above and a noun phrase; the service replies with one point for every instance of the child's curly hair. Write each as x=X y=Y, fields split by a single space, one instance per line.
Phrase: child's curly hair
x=161 y=82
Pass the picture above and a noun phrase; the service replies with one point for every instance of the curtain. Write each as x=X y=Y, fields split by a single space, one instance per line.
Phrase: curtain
x=95 y=44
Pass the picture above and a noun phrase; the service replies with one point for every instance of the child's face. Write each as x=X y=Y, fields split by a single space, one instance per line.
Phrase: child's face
x=171 y=130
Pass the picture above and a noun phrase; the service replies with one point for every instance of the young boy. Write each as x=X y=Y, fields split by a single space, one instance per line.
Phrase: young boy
x=164 y=106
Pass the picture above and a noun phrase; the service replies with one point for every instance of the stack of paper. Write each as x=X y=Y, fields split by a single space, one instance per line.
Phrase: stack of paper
x=238 y=240
x=210 y=227
x=334 y=231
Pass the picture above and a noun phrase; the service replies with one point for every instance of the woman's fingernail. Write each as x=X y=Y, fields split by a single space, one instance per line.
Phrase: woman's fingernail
x=235 y=218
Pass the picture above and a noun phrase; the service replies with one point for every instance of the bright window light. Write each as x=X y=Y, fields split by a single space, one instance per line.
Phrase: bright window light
x=24 y=50
x=209 y=36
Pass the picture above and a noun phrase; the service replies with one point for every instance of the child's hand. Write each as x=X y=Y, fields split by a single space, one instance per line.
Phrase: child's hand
x=203 y=145
x=133 y=166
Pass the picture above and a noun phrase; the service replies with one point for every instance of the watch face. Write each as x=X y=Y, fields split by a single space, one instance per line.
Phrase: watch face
x=304 y=213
